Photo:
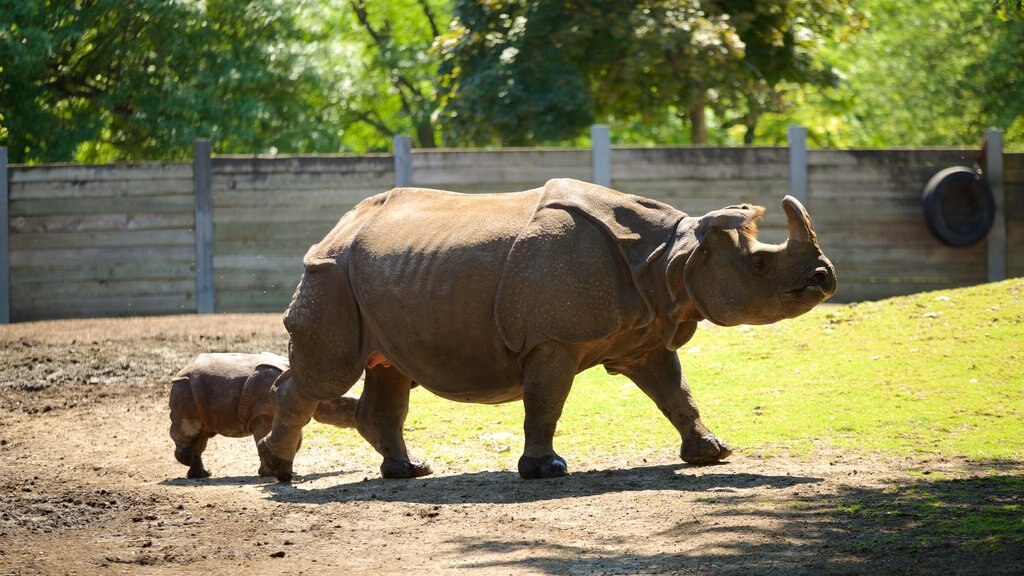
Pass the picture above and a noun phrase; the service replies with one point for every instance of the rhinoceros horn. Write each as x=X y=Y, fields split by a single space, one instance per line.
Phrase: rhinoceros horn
x=800 y=227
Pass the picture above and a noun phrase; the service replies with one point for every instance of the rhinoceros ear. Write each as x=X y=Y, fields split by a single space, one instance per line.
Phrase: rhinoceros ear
x=743 y=217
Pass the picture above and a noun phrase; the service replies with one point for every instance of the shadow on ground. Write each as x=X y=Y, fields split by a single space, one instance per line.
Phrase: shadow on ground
x=508 y=488
x=909 y=526
x=969 y=526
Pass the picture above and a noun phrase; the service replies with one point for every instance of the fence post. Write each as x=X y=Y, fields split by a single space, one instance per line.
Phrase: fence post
x=601 y=146
x=798 y=163
x=997 y=235
x=5 y=246
x=403 y=160
x=202 y=170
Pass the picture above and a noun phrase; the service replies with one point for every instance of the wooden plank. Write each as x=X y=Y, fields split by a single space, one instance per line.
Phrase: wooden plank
x=150 y=269
x=402 y=160
x=99 y=256
x=279 y=182
x=54 y=207
x=380 y=165
x=203 y=238
x=100 y=189
x=5 y=260
x=719 y=194
x=249 y=301
x=601 y=155
x=73 y=241
x=997 y=235
x=103 y=307
x=877 y=159
x=863 y=291
x=49 y=290
x=457 y=160
x=100 y=222
x=524 y=176
x=101 y=172
x=290 y=198
x=699 y=155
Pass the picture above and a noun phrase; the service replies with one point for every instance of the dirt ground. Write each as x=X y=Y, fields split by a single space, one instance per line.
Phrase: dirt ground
x=89 y=485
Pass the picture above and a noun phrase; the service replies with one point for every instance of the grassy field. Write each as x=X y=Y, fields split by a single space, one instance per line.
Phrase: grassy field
x=938 y=374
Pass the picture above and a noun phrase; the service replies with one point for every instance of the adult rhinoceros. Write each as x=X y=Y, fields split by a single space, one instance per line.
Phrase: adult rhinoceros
x=491 y=298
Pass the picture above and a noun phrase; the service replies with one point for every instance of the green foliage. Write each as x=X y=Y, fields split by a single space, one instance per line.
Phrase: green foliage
x=108 y=79
x=923 y=73
x=380 y=59
x=113 y=80
x=935 y=375
x=542 y=71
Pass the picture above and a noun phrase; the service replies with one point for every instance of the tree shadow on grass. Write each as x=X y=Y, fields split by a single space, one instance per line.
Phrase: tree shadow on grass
x=508 y=488
x=959 y=526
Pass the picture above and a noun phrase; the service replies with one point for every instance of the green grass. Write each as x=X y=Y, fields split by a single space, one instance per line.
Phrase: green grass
x=934 y=374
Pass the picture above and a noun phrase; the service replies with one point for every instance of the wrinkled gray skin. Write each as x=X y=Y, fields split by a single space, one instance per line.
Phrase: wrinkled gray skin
x=498 y=297
x=229 y=394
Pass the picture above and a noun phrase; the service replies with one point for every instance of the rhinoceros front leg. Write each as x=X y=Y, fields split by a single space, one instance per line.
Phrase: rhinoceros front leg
x=277 y=449
x=548 y=372
x=380 y=416
x=660 y=376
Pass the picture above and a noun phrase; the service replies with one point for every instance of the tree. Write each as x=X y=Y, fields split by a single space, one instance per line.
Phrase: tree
x=925 y=74
x=383 y=71
x=125 y=80
x=531 y=71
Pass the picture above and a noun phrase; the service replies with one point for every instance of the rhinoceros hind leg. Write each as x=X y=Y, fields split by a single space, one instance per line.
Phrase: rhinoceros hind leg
x=380 y=416
x=548 y=372
x=553 y=466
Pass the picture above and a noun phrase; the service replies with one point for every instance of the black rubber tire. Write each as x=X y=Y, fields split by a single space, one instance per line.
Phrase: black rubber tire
x=959 y=207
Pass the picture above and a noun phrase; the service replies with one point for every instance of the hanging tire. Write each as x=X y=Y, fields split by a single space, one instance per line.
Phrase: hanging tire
x=959 y=207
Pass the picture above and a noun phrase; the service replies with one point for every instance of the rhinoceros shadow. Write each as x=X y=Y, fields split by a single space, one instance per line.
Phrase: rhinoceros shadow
x=250 y=480
x=508 y=488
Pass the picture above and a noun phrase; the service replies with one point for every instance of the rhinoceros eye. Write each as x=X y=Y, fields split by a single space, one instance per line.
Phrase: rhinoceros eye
x=759 y=264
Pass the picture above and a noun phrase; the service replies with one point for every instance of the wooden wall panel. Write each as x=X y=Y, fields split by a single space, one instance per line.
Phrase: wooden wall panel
x=268 y=211
x=866 y=205
x=101 y=240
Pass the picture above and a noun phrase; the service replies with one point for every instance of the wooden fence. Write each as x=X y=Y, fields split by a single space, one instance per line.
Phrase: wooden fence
x=115 y=240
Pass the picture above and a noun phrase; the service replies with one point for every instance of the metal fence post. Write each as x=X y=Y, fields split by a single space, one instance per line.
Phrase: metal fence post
x=5 y=246
x=403 y=160
x=994 y=175
x=601 y=146
x=798 y=163
x=202 y=169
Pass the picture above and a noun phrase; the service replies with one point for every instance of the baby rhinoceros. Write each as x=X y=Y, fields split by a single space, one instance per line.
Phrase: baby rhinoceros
x=230 y=394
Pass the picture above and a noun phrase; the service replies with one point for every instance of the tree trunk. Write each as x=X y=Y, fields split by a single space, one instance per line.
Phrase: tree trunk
x=698 y=127
x=425 y=135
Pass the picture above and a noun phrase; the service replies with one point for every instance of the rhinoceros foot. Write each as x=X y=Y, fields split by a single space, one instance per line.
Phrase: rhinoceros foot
x=392 y=468
x=551 y=466
x=198 y=472
x=271 y=465
x=704 y=450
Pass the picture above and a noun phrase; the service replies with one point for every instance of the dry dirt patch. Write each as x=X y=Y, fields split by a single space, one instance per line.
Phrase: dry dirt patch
x=89 y=485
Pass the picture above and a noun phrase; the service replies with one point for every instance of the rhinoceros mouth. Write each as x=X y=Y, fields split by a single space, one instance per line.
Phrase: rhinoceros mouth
x=819 y=282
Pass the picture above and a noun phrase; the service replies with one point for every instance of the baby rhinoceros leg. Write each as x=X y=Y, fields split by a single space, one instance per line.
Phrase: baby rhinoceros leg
x=187 y=430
